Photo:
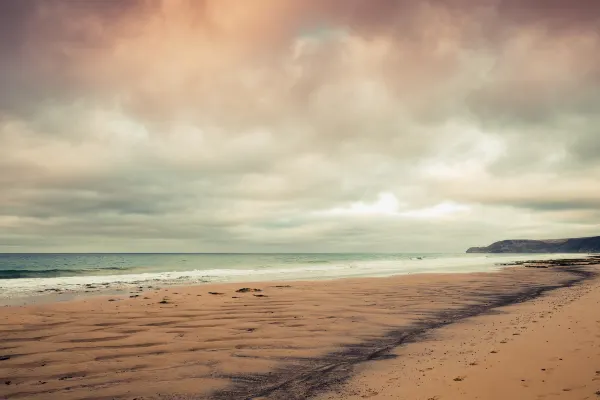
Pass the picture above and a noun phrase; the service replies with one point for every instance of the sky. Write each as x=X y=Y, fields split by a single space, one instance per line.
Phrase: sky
x=297 y=126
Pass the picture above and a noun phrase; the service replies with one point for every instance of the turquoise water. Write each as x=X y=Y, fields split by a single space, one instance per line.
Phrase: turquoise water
x=22 y=275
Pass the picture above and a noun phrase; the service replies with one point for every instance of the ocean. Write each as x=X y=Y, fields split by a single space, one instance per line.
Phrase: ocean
x=26 y=275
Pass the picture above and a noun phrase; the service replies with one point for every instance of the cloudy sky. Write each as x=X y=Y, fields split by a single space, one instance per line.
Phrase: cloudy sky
x=289 y=125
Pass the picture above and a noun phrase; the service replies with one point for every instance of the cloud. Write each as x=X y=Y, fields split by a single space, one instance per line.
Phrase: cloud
x=220 y=125
x=387 y=205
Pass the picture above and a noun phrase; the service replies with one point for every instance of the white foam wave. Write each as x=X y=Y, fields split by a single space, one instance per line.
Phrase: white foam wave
x=12 y=288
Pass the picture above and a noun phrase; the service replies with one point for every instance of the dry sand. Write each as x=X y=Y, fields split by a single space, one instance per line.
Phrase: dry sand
x=327 y=339
x=547 y=348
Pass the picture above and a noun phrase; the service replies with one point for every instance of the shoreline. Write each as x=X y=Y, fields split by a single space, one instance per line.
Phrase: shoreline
x=28 y=291
x=281 y=341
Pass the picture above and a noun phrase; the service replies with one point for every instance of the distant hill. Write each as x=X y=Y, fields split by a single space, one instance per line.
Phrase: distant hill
x=575 y=245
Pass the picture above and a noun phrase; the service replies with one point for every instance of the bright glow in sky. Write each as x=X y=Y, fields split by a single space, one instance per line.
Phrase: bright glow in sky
x=386 y=204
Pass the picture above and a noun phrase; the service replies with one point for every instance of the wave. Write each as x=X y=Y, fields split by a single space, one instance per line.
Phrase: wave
x=52 y=273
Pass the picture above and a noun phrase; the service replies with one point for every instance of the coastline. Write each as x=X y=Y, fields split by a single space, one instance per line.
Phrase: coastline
x=202 y=271
x=230 y=345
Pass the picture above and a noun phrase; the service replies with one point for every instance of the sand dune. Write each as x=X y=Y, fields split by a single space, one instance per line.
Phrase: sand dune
x=282 y=342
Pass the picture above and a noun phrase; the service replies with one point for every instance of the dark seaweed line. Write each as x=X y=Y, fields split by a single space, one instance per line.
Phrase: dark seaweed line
x=300 y=382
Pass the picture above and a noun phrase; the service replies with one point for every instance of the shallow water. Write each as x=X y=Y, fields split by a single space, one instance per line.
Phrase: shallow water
x=24 y=275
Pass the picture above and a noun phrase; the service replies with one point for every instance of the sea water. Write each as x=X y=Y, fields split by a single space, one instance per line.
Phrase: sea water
x=25 y=275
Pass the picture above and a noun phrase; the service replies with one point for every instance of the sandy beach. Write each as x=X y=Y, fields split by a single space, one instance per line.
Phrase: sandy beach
x=546 y=348
x=526 y=333
x=299 y=200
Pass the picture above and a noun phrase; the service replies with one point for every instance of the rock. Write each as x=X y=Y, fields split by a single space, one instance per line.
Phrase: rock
x=216 y=293
x=4 y=358
x=246 y=290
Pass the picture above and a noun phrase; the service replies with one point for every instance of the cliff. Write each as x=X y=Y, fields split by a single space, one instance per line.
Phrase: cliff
x=576 y=245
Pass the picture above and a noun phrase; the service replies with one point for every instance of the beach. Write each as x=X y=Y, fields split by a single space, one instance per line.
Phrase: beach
x=547 y=348
x=527 y=331
x=299 y=200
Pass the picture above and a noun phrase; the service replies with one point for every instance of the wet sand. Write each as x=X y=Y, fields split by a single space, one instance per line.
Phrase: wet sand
x=326 y=339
